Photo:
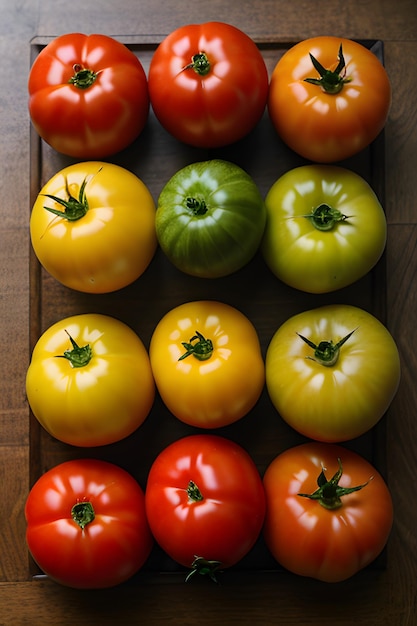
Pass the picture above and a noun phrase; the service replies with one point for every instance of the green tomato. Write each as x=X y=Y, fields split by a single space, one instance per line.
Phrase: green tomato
x=210 y=219
x=325 y=228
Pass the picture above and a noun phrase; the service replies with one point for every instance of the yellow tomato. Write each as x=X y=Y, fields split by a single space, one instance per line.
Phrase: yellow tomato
x=207 y=363
x=93 y=227
x=90 y=382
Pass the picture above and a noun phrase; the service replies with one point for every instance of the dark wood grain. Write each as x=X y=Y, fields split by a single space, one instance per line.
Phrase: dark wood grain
x=385 y=595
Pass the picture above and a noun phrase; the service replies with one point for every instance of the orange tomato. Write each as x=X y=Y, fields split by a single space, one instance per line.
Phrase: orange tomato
x=329 y=98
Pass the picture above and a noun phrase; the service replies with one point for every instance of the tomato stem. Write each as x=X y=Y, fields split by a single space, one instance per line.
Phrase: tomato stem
x=329 y=493
x=82 y=513
x=78 y=356
x=198 y=207
x=202 y=350
x=194 y=492
x=325 y=217
x=74 y=208
x=83 y=78
x=204 y=567
x=331 y=81
x=199 y=63
x=326 y=352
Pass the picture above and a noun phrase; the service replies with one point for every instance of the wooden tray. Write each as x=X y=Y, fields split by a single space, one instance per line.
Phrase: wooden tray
x=154 y=157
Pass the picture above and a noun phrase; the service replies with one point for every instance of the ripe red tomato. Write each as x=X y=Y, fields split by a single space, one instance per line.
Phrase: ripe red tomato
x=338 y=530
x=88 y=95
x=329 y=98
x=86 y=524
x=205 y=502
x=208 y=84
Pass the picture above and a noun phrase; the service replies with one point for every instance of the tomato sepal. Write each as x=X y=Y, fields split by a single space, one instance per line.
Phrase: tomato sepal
x=329 y=493
x=83 y=513
x=78 y=356
x=204 y=567
x=83 y=77
x=326 y=352
x=331 y=81
x=201 y=350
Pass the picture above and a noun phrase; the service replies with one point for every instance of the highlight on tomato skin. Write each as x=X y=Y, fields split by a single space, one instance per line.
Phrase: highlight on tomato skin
x=88 y=95
x=329 y=512
x=208 y=84
x=329 y=98
x=86 y=524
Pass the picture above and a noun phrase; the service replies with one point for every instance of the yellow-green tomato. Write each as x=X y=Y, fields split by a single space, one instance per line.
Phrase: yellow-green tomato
x=92 y=227
x=325 y=228
x=332 y=372
x=207 y=363
x=89 y=382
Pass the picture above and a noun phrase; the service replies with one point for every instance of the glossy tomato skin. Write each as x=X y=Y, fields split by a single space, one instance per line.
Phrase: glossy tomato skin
x=210 y=109
x=333 y=402
x=328 y=127
x=325 y=228
x=89 y=122
x=310 y=540
x=108 y=247
x=225 y=524
x=111 y=548
x=210 y=218
x=221 y=389
x=97 y=403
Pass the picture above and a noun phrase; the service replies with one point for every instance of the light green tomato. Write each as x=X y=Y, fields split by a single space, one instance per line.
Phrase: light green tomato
x=325 y=228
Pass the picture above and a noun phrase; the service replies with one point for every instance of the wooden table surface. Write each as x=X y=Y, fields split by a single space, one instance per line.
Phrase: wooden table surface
x=386 y=596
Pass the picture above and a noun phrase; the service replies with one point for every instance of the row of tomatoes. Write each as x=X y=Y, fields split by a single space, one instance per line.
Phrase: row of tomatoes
x=91 y=382
x=205 y=503
x=330 y=372
x=208 y=86
x=95 y=228
x=323 y=510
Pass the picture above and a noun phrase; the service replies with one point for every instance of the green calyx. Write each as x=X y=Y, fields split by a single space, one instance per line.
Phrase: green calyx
x=83 y=78
x=331 y=81
x=329 y=492
x=326 y=352
x=82 y=513
x=202 y=349
x=74 y=208
x=325 y=217
x=204 y=567
x=194 y=493
x=200 y=64
x=77 y=356
x=197 y=207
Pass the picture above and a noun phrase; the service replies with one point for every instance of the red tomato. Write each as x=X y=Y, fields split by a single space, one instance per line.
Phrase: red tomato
x=205 y=502
x=208 y=84
x=86 y=524
x=329 y=98
x=340 y=529
x=88 y=95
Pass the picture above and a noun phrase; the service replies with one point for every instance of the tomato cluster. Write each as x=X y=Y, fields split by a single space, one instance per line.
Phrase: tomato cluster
x=330 y=372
